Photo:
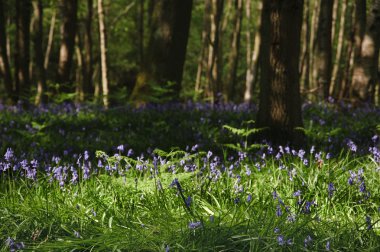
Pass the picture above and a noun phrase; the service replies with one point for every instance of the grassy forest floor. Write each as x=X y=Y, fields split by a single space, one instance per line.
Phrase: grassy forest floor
x=182 y=177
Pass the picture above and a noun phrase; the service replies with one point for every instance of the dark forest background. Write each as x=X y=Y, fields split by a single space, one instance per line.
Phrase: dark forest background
x=113 y=52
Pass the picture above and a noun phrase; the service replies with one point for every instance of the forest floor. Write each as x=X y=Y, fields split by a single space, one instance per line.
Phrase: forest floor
x=186 y=177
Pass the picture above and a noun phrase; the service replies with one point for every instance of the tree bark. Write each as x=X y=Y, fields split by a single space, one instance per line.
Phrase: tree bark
x=22 y=53
x=5 y=69
x=165 y=58
x=252 y=56
x=336 y=82
x=213 y=72
x=366 y=64
x=50 y=40
x=39 y=55
x=280 y=104
x=234 y=51
x=88 y=55
x=103 y=53
x=67 y=48
x=324 y=47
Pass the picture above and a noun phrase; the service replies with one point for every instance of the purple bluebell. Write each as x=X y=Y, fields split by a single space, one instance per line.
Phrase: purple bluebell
x=188 y=201
x=281 y=240
x=9 y=154
x=249 y=198
x=307 y=241
x=331 y=189
x=369 y=222
x=278 y=211
x=297 y=193
x=194 y=225
x=276 y=230
x=328 y=245
x=352 y=145
x=120 y=148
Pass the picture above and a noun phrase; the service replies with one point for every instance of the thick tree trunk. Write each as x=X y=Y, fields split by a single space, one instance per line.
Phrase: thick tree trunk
x=165 y=58
x=5 y=69
x=103 y=53
x=280 y=104
x=39 y=55
x=324 y=48
x=366 y=65
x=234 y=51
x=22 y=50
x=68 y=32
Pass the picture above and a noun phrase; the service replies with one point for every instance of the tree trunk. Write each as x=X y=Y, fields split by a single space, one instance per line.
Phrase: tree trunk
x=202 y=60
x=5 y=69
x=305 y=56
x=366 y=65
x=39 y=55
x=337 y=69
x=213 y=74
x=50 y=40
x=280 y=104
x=68 y=32
x=234 y=51
x=141 y=31
x=252 y=56
x=324 y=47
x=313 y=87
x=88 y=55
x=166 y=51
x=103 y=53
x=22 y=53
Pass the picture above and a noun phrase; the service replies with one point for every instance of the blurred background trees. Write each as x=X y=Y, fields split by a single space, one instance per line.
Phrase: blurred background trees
x=116 y=52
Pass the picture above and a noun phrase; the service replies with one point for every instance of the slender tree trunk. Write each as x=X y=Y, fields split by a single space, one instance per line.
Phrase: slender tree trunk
x=141 y=31
x=202 y=60
x=366 y=64
x=50 y=40
x=336 y=83
x=22 y=53
x=213 y=75
x=280 y=104
x=166 y=51
x=39 y=55
x=252 y=55
x=103 y=53
x=324 y=47
x=88 y=55
x=5 y=69
x=234 y=50
x=305 y=56
x=68 y=32
x=80 y=70
x=313 y=45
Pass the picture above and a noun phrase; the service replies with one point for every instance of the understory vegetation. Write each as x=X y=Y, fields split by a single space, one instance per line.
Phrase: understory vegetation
x=182 y=177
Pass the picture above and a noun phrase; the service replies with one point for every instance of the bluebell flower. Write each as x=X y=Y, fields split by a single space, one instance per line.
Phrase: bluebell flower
x=328 y=155
x=297 y=193
x=369 y=222
x=274 y=194
x=130 y=153
x=167 y=248
x=237 y=200
x=352 y=146
x=281 y=240
x=331 y=189
x=188 y=201
x=9 y=154
x=278 y=211
x=276 y=230
x=209 y=154
x=194 y=225
x=120 y=148
x=249 y=198
x=291 y=218
x=307 y=241
x=290 y=242
x=328 y=245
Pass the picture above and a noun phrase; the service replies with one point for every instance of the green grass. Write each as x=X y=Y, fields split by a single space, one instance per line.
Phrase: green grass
x=130 y=212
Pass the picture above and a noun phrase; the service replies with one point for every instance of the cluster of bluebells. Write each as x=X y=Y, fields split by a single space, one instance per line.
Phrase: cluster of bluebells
x=359 y=180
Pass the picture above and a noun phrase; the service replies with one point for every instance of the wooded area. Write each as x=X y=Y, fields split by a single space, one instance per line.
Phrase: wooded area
x=273 y=53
